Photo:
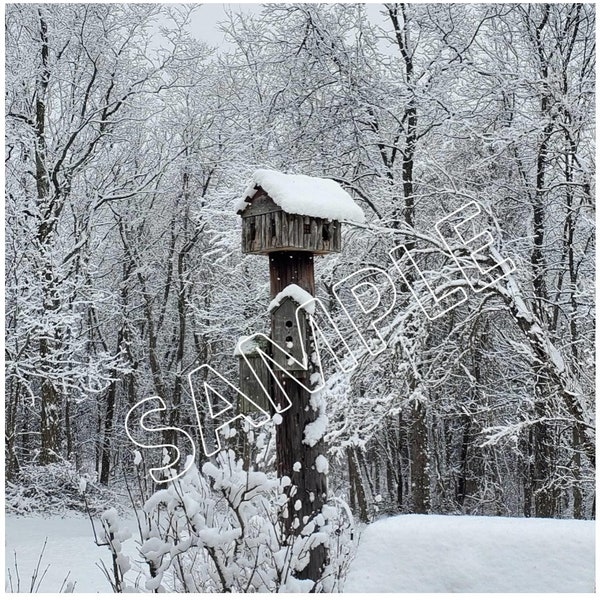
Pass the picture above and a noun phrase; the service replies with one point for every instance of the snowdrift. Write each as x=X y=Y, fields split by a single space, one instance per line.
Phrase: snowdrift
x=432 y=553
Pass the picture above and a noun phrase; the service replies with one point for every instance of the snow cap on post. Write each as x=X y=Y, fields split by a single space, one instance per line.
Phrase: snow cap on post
x=296 y=293
x=247 y=345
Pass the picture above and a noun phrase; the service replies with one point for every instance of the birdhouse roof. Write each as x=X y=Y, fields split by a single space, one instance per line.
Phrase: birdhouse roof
x=297 y=294
x=303 y=195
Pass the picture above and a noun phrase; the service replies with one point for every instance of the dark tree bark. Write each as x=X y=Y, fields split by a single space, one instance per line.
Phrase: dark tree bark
x=419 y=459
x=50 y=410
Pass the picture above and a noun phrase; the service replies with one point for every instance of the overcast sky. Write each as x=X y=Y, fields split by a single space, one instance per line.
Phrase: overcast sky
x=207 y=16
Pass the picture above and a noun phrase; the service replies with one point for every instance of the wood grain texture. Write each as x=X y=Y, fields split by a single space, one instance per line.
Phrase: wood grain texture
x=291 y=267
x=266 y=228
x=284 y=331
x=310 y=486
x=250 y=386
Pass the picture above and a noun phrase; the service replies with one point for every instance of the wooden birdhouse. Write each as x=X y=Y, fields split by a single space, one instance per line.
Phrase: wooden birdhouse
x=282 y=212
x=287 y=335
x=249 y=385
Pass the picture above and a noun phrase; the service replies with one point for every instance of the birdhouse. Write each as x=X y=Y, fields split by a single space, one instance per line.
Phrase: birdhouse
x=282 y=212
x=287 y=335
x=249 y=384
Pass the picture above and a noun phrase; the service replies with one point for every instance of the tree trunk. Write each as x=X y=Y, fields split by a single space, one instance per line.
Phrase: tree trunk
x=463 y=477
x=528 y=475
x=419 y=460
x=108 y=431
x=577 y=492
x=50 y=412
x=357 y=489
x=544 y=491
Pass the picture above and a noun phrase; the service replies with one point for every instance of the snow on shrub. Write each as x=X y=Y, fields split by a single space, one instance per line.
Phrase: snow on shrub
x=54 y=489
x=218 y=529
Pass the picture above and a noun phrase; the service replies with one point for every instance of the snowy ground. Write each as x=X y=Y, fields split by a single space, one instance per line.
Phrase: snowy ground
x=425 y=553
x=409 y=553
x=70 y=548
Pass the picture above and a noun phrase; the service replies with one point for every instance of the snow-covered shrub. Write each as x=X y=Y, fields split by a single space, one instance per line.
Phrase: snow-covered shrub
x=218 y=530
x=55 y=489
x=113 y=535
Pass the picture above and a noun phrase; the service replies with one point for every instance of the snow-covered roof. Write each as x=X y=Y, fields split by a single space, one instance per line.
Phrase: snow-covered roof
x=304 y=195
x=296 y=293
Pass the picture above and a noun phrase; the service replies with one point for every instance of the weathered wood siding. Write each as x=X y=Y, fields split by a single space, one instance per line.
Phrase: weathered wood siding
x=266 y=228
x=309 y=484
x=285 y=333
x=291 y=267
x=251 y=387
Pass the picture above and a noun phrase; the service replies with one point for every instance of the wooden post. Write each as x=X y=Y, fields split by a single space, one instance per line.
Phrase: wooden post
x=276 y=221
x=309 y=484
